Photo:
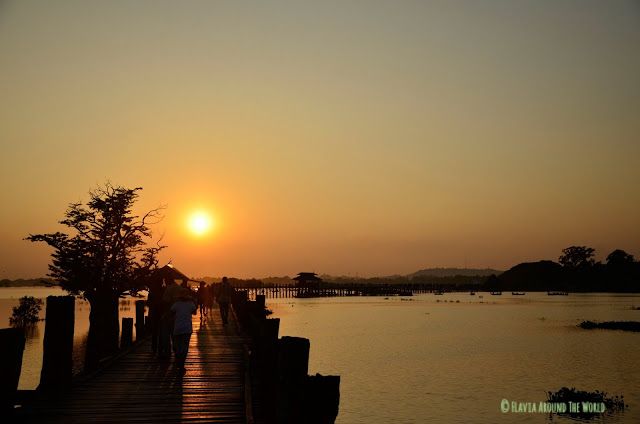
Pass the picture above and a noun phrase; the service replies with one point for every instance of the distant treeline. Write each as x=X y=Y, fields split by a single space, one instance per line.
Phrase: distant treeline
x=575 y=271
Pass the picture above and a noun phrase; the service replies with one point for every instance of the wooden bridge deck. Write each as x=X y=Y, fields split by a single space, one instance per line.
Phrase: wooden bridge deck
x=140 y=388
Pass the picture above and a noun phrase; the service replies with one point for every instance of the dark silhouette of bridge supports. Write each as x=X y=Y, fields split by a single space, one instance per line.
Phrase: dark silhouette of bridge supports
x=57 y=360
x=288 y=394
x=11 y=348
x=126 y=335
x=140 y=327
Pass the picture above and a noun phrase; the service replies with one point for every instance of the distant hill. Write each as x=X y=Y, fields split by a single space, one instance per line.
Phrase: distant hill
x=452 y=272
x=541 y=275
x=35 y=282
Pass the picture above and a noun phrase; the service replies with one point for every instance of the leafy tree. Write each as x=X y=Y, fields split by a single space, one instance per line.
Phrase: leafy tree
x=27 y=312
x=577 y=257
x=105 y=257
x=619 y=258
x=623 y=272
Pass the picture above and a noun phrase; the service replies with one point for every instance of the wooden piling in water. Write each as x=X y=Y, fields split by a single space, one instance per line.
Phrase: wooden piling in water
x=260 y=301
x=140 y=327
x=57 y=361
x=321 y=399
x=11 y=348
x=288 y=394
x=293 y=365
x=126 y=337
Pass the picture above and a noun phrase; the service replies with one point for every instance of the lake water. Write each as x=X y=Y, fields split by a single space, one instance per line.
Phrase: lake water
x=32 y=357
x=453 y=358
x=441 y=359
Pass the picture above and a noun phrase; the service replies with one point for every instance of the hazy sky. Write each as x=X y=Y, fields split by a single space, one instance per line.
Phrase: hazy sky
x=342 y=137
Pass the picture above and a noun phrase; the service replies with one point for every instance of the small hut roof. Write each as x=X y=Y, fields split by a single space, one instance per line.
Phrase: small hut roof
x=170 y=271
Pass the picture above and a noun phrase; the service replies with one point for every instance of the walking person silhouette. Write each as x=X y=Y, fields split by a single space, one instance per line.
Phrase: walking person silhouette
x=183 y=307
x=224 y=298
x=202 y=300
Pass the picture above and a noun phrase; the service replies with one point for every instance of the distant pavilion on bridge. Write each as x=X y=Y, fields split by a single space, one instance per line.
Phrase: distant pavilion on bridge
x=308 y=280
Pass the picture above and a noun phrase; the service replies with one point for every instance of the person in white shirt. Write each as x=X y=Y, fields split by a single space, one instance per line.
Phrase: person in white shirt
x=184 y=307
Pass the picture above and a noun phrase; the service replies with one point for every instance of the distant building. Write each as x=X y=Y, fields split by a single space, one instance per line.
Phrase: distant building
x=309 y=280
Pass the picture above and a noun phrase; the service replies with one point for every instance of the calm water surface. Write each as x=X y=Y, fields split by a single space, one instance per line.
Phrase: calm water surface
x=453 y=358
x=32 y=357
x=438 y=359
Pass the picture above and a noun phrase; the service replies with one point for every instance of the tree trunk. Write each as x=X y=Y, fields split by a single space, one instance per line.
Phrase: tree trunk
x=104 y=329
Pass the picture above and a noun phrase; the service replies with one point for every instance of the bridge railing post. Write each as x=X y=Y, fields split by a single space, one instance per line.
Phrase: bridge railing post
x=126 y=336
x=321 y=399
x=57 y=359
x=140 y=327
x=11 y=348
x=260 y=301
x=293 y=365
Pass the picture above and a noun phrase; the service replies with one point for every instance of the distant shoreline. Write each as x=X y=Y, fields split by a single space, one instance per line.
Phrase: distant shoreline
x=35 y=282
x=45 y=282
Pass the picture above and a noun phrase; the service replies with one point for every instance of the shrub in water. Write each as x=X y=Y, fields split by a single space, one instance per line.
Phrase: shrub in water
x=27 y=312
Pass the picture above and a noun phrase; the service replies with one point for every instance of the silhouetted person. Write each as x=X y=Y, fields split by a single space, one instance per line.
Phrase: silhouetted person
x=202 y=299
x=209 y=297
x=183 y=308
x=154 y=300
x=166 y=321
x=224 y=298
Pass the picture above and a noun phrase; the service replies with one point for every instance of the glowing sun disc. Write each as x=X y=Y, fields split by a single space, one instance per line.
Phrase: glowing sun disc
x=199 y=223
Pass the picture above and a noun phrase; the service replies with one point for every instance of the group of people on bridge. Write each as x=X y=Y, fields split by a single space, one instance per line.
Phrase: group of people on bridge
x=171 y=307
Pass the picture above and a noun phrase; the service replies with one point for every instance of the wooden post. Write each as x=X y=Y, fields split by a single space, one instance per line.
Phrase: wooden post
x=321 y=399
x=57 y=360
x=11 y=349
x=293 y=364
x=267 y=347
x=126 y=338
x=260 y=300
x=270 y=329
x=140 y=319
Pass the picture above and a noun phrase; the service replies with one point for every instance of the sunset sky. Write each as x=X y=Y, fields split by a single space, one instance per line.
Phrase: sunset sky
x=341 y=137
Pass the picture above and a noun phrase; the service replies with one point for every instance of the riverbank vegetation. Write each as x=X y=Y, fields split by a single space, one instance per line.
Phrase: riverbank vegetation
x=575 y=271
x=566 y=395
x=27 y=313
x=611 y=325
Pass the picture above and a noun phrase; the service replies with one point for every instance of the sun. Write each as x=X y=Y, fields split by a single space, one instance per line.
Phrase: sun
x=199 y=223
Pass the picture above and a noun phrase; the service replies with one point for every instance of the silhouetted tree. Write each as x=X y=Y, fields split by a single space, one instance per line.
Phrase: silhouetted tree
x=619 y=258
x=105 y=258
x=493 y=282
x=623 y=272
x=26 y=313
x=577 y=257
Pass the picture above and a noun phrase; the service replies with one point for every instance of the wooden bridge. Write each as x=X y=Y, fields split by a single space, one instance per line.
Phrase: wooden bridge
x=238 y=373
x=140 y=388
x=334 y=290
